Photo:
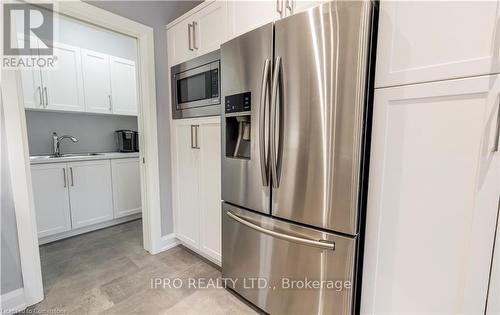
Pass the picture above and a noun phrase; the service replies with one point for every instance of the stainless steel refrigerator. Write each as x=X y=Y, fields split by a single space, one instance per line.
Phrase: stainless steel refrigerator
x=293 y=155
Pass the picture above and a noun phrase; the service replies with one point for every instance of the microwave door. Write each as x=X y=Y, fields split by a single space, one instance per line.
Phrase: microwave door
x=246 y=78
x=318 y=107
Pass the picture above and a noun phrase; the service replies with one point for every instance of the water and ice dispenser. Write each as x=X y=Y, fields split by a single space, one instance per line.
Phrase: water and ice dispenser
x=238 y=125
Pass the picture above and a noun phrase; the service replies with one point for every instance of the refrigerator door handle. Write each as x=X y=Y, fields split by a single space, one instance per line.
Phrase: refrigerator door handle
x=264 y=161
x=324 y=244
x=274 y=107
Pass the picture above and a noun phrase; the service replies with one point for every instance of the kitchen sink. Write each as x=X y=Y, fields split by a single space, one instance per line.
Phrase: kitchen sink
x=67 y=155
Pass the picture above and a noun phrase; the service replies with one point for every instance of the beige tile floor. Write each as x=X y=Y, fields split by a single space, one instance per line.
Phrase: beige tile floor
x=108 y=272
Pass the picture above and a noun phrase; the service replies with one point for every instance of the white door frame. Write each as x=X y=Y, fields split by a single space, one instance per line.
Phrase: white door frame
x=17 y=143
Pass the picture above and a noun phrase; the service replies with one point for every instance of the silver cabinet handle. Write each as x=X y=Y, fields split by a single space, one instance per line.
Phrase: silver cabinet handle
x=274 y=106
x=195 y=46
x=71 y=174
x=64 y=176
x=190 y=45
x=196 y=128
x=324 y=244
x=110 y=103
x=40 y=96
x=46 y=96
x=497 y=133
x=192 y=137
x=289 y=6
x=279 y=7
x=264 y=91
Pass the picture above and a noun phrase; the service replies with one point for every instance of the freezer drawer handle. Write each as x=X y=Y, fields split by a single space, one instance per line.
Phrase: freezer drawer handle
x=324 y=244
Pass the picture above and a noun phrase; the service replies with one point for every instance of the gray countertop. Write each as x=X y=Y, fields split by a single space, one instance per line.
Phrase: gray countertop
x=44 y=159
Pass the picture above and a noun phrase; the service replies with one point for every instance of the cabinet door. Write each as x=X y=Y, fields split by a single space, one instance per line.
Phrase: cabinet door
x=31 y=83
x=493 y=307
x=245 y=16
x=63 y=84
x=433 y=198
x=50 y=193
x=186 y=183
x=90 y=192
x=180 y=44
x=421 y=41
x=210 y=189
x=96 y=82
x=126 y=182
x=123 y=86
x=210 y=28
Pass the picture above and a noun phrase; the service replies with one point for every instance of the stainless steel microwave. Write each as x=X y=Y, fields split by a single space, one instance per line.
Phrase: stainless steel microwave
x=196 y=87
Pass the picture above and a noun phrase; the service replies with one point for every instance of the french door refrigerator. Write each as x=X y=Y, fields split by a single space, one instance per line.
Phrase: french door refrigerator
x=293 y=157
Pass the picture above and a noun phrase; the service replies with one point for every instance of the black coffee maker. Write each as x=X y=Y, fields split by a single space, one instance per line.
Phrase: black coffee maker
x=126 y=140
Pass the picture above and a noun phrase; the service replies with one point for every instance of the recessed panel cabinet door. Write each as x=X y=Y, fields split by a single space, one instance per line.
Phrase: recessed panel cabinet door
x=96 y=82
x=244 y=16
x=210 y=190
x=210 y=28
x=63 y=85
x=433 y=198
x=90 y=192
x=186 y=184
x=123 y=86
x=31 y=83
x=421 y=41
x=180 y=42
x=50 y=193
x=493 y=307
x=126 y=186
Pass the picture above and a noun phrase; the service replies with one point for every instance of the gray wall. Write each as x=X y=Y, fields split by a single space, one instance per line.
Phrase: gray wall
x=10 y=272
x=95 y=133
x=157 y=14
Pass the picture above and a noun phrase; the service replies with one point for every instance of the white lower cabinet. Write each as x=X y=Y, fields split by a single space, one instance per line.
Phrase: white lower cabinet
x=69 y=196
x=197 y=184
x=50 y=192
x=493 y=306
x=210 y=189
x=126 y=180
x=433 y=198
x=90 y=192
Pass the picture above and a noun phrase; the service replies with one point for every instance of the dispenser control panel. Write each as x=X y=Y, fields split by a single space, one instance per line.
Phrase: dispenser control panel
x=238 y=103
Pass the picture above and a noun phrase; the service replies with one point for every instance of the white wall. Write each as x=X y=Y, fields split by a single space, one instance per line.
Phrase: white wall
x=10 y=273
x=95 y=133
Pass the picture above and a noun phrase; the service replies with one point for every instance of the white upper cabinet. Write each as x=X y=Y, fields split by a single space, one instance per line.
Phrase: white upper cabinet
x=244 y=16
x=123 y=86
x=90 y=192
x=62 y=84
x=126 y=180
x=421 y=41
x=180 y=42
x=50 y=194
x=433 y=197
x=200 y=31
x=96 y=81
x=210 y=27
x=31 y=82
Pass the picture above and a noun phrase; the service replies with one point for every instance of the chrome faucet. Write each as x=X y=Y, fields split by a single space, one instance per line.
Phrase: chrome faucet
x=56 y=143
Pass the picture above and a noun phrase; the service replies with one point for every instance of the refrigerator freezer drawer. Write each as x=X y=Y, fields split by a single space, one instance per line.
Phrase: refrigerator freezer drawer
x=285 y=268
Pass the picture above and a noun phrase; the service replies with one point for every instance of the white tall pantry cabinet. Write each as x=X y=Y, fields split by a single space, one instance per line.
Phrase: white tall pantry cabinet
x=434 y=170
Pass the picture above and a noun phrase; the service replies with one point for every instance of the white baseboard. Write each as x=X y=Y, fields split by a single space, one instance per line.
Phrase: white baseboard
x=13 y=301
x=167 y=242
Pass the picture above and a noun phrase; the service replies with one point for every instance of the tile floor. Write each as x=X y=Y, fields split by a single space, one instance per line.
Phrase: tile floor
x=108 y=272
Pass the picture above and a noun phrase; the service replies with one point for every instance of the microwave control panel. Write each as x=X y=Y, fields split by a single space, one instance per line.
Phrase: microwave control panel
x=238 y=103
